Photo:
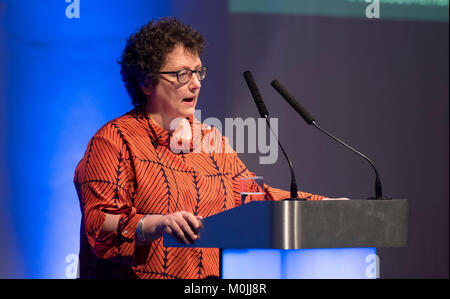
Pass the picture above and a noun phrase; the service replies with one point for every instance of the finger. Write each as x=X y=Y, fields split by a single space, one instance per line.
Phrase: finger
x=170 y=227
x=200 y=222
x=193 y=222
x=200 y=218
x=186 y=227
x=174 y=234
x=178 y=232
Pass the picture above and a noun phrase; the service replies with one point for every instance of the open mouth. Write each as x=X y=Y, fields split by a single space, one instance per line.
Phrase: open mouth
x=188 y=100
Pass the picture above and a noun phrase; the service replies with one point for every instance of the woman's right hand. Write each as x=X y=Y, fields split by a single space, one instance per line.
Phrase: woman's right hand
x=183 y=226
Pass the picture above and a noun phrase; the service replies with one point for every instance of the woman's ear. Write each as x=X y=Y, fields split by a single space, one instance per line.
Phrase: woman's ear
x=147 y=89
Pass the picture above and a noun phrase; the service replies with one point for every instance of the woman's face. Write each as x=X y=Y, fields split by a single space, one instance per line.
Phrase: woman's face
x=169 y=99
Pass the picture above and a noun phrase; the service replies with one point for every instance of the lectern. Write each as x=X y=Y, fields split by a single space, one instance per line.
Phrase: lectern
x=288 y=237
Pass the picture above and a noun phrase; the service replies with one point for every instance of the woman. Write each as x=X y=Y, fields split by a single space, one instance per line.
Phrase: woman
x=133 y=186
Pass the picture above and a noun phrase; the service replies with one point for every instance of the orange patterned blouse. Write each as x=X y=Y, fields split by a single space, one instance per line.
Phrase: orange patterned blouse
x=130 y=169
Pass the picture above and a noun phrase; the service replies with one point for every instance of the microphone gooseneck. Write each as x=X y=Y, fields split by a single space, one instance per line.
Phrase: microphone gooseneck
x=311 y=121
x=262 y=109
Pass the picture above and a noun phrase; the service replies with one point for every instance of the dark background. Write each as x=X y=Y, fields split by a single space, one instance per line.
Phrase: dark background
x=380 y=85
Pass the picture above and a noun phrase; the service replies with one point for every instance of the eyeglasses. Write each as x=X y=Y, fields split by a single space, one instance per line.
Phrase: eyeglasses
x=184 y=76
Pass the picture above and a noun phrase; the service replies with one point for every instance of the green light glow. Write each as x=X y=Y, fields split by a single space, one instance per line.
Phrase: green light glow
x=421 y=10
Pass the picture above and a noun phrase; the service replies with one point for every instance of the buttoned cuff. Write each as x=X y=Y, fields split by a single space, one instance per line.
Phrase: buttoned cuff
x=129 y=253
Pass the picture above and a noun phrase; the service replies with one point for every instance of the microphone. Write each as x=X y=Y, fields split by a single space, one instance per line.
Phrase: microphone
x=262 y=109
x=311 y=121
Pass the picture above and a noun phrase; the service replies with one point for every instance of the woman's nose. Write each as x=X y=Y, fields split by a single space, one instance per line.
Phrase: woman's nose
x=195 y=82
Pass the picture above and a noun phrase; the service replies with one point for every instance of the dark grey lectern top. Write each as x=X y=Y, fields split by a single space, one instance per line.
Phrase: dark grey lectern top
x=306 y=224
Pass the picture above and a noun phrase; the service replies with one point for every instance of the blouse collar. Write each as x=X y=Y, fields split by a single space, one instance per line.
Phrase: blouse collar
x=160 y=136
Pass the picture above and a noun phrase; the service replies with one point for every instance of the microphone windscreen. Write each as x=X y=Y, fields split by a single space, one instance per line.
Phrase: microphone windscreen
x=291 y=100
x=262 y=109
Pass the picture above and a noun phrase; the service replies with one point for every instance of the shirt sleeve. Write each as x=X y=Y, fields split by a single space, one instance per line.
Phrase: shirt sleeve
x=104 y=183
x=239 y=171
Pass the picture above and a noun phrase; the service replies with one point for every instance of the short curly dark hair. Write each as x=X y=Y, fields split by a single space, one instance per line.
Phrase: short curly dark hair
x=147 y=49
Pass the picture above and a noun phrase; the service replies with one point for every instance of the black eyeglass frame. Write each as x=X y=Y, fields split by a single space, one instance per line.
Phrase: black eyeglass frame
x=197 y=71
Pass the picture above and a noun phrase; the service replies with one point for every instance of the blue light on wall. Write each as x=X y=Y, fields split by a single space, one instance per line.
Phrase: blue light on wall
x=63 y=84
x=358 y=263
